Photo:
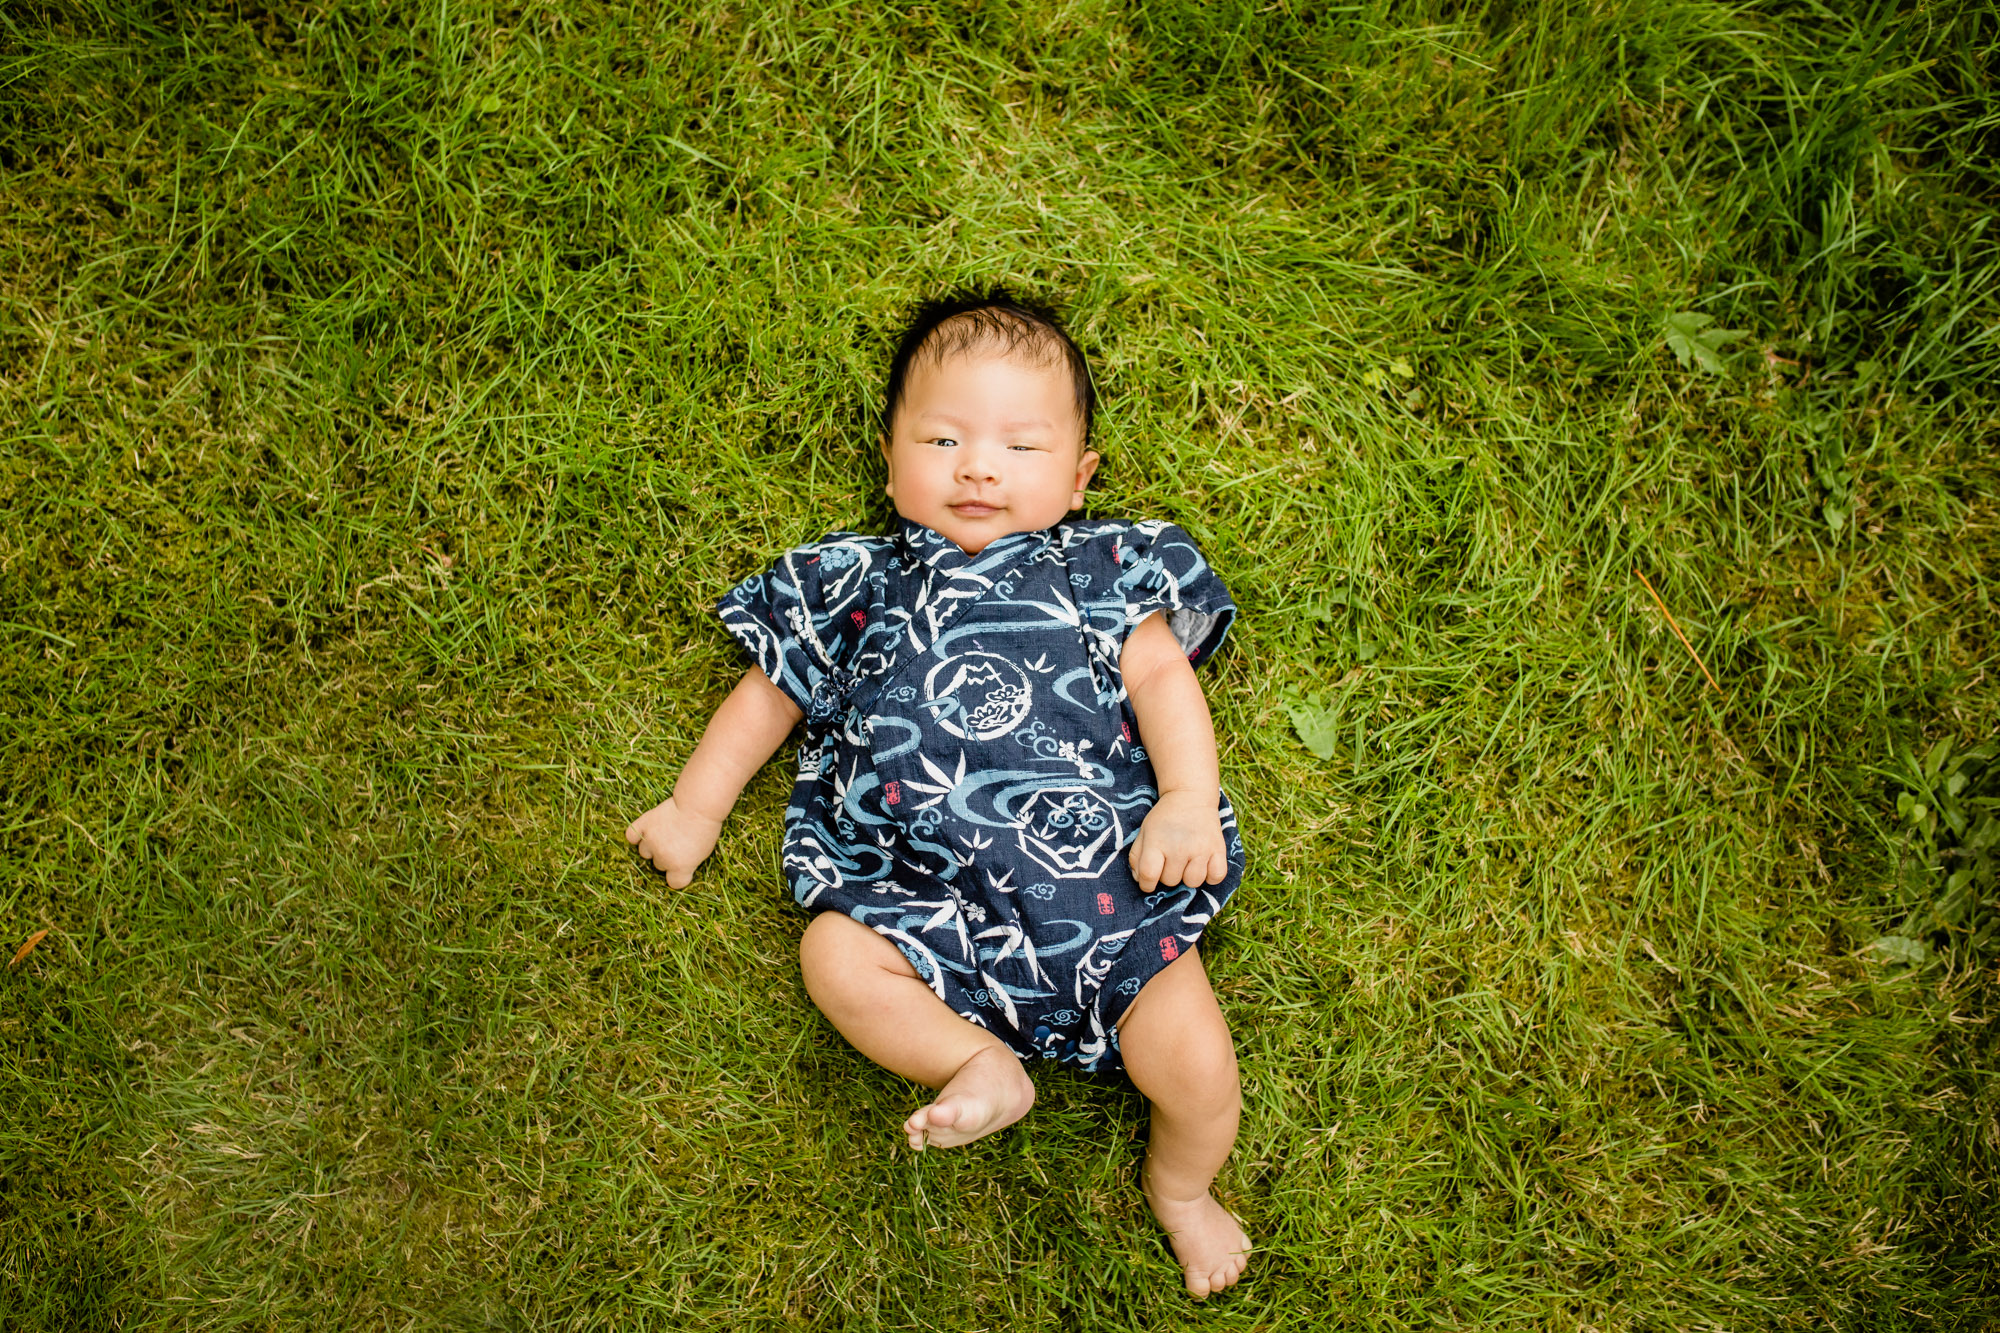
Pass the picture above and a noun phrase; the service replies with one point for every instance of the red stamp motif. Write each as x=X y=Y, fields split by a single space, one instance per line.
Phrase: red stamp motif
x=1125 y=729
x=893 y=791
x=1104 y=907
x=1169 y=950
x=857 y=617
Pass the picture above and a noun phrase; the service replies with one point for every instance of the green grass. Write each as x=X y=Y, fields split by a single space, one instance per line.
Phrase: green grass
x=388 y=391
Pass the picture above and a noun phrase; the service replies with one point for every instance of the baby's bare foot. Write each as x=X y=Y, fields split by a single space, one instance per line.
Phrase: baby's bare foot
x=989 y=1092
x=1211 y=1246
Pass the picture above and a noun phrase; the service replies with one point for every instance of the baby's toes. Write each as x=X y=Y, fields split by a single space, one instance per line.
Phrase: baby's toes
x=1203 y=1285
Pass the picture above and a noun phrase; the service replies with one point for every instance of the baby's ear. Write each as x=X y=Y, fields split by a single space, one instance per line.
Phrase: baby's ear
x=1086 y=468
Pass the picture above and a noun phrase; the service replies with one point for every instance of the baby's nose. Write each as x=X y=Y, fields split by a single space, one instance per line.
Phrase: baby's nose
x=976 y=462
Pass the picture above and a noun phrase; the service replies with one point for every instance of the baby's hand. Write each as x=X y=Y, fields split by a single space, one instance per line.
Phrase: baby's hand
x=674 y=839
x=1180 y=842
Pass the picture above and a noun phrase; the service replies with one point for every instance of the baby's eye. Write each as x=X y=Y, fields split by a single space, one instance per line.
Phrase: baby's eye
x=945 y=444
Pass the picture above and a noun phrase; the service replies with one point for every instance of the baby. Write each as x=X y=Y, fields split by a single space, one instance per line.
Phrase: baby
x=1008 y=823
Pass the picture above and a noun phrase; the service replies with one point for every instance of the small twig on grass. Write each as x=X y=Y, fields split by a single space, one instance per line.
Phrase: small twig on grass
x=1674 y=625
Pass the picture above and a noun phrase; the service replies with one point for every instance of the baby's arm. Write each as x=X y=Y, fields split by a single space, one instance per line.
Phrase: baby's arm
x=1180 y=841
x=678 y=834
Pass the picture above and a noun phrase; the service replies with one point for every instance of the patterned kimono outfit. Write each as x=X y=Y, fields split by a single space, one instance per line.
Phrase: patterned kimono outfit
x=972 y=777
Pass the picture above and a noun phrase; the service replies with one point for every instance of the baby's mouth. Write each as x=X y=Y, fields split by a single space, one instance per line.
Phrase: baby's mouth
x=974 y=509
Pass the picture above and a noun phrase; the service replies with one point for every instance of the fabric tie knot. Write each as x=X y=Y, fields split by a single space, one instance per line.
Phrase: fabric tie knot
x=831 y=695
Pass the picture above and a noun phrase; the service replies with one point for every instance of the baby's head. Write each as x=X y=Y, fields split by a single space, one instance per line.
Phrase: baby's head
x=986 y=421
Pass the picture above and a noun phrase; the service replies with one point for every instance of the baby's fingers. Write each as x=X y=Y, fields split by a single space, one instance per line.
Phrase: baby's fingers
x=1177 y=869
x=1147 y=863
x=1218 y=867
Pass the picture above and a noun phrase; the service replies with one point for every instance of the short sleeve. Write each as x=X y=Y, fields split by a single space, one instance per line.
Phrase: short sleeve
x=1157 y=567
x=800 y=619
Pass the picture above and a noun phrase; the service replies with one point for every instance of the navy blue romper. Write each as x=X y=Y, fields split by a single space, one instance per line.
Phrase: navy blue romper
x=971 y=778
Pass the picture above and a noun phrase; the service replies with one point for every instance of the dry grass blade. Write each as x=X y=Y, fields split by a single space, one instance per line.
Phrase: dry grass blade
x=1674 y=625
x=27 y=948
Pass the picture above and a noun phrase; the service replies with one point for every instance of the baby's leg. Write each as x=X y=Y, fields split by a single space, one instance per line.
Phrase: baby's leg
x=868 y=989
x=1177 y=1049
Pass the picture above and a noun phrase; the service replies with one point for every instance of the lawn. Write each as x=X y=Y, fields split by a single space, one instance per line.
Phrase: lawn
x=389 y=390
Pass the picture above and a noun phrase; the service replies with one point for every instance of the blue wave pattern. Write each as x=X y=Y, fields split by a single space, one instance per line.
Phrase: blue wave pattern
x=971 y=778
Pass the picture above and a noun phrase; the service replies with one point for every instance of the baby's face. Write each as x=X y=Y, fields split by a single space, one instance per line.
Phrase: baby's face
x=986 y=444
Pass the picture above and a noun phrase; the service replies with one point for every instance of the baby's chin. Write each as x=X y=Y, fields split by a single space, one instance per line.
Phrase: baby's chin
x=974 y=534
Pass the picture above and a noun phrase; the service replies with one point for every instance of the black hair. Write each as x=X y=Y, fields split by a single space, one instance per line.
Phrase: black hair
x=965 y=320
